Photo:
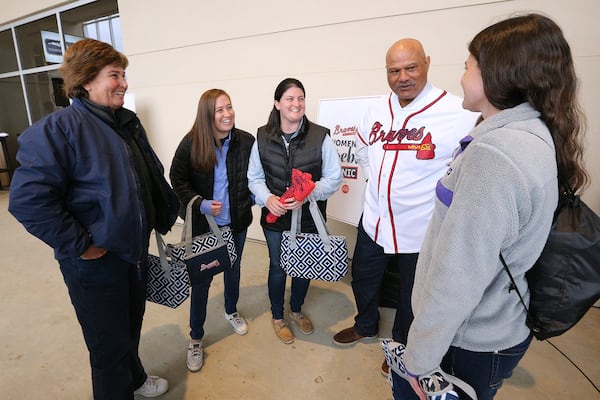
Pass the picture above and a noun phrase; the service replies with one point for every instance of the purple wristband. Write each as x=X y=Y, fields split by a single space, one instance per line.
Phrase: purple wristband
x=411 y=374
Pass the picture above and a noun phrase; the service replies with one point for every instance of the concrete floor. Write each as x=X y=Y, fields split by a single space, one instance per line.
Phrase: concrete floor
x=43 y=356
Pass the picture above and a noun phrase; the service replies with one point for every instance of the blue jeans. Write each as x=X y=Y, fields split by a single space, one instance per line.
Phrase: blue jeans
x=485 y=372
x=368 y=266
x=277 y=278
x=109 y=297
x=231 y=283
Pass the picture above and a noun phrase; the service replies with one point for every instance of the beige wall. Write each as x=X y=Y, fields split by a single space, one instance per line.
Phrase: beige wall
x=180 y=48
x=14 y=10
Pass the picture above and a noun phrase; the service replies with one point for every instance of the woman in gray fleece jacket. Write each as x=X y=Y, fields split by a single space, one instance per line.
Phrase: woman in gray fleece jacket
x=498 y=196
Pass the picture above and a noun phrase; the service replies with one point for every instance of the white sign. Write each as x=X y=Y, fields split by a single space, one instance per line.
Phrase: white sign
x=342 y=117
x=129 y=101
x=51 y=44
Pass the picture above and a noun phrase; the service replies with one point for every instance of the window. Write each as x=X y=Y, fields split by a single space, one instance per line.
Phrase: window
x=34 y=46
x=106 y=29
x=8 y=57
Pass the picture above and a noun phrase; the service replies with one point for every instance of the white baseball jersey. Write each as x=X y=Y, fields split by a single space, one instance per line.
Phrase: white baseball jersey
x=403 y=152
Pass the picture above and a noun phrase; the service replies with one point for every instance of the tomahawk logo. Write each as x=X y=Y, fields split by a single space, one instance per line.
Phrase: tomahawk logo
x=425 y=149
x=212 y=264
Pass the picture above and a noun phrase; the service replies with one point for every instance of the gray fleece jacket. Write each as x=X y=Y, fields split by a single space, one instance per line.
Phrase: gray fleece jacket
x=498 y=195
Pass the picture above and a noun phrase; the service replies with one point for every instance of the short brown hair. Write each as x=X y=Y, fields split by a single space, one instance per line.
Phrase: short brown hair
x=83 y=60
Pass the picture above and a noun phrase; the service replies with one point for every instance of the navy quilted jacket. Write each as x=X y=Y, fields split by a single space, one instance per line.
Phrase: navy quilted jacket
x=76 y=185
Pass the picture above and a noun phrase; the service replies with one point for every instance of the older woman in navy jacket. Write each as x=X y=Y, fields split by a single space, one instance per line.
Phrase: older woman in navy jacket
x=91 y=187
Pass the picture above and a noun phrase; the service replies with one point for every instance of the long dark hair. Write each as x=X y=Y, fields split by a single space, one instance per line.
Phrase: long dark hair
x=202 y=154
x=274 y=121
x=527 y=59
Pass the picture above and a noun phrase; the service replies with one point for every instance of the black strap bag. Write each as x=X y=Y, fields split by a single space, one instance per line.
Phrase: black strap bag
x=564 y=283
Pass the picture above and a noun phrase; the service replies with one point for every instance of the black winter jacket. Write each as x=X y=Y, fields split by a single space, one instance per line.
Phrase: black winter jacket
x=189 y=182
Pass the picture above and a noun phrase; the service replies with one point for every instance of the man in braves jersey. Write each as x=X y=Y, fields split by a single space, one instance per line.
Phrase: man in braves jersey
x=403 y=145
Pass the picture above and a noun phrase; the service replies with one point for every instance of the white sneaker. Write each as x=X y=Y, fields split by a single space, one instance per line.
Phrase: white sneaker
x=237 y=322
x=194 y=359
x=153 y=387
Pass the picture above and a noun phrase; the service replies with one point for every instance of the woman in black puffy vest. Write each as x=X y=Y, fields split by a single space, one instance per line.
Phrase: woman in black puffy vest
x=289 y=140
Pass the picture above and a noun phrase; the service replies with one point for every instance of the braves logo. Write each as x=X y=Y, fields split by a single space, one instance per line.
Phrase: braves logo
x=425 y=150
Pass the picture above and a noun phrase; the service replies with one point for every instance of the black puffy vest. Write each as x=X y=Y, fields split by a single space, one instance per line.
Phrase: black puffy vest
x=305 y=154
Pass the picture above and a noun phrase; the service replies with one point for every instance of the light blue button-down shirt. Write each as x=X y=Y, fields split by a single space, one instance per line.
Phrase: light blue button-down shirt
x=221 y=186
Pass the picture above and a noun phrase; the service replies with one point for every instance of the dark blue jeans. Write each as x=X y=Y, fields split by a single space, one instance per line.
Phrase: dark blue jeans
x=485 y=372
x=231 y=283
x=109 y=297
x=277 y=278
x=369 y=263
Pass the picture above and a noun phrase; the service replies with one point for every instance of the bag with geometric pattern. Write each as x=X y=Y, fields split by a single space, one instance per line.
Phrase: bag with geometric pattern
x=437 y=385
x=313 y=255
x=168 y=282
x=207 y=254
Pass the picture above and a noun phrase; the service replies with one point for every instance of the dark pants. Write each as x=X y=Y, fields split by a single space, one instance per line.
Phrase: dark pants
x=485 y=372
x=109 y=297
x=277 y=278
x=369 y=263
x=231 y=283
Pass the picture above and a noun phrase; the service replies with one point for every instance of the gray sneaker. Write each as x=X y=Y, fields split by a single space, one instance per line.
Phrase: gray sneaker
x=194 y=359
x=153 y=387
x=238 y=323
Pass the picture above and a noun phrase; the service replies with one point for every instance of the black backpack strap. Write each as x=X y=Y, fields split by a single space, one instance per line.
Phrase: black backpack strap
x=513 y=284
x=564 y=198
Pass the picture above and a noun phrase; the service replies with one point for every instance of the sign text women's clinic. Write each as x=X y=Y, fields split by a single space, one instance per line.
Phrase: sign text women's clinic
x=342 y=116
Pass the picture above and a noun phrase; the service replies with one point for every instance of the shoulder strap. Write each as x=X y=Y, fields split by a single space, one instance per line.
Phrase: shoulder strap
x=296 y=226
x=186 y=233
x=164 y=264
x=564 y=198
x=319 y=223
x=513 y=284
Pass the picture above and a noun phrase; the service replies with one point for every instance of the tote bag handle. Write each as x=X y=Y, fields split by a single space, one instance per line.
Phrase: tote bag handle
x=160 y=244
x=319 y=223
x=186 y=233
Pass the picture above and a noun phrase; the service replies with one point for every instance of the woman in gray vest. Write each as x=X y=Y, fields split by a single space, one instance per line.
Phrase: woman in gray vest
x=289 y=140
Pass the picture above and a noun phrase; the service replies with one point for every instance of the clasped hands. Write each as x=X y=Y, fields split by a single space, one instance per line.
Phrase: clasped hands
x=276 y=207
